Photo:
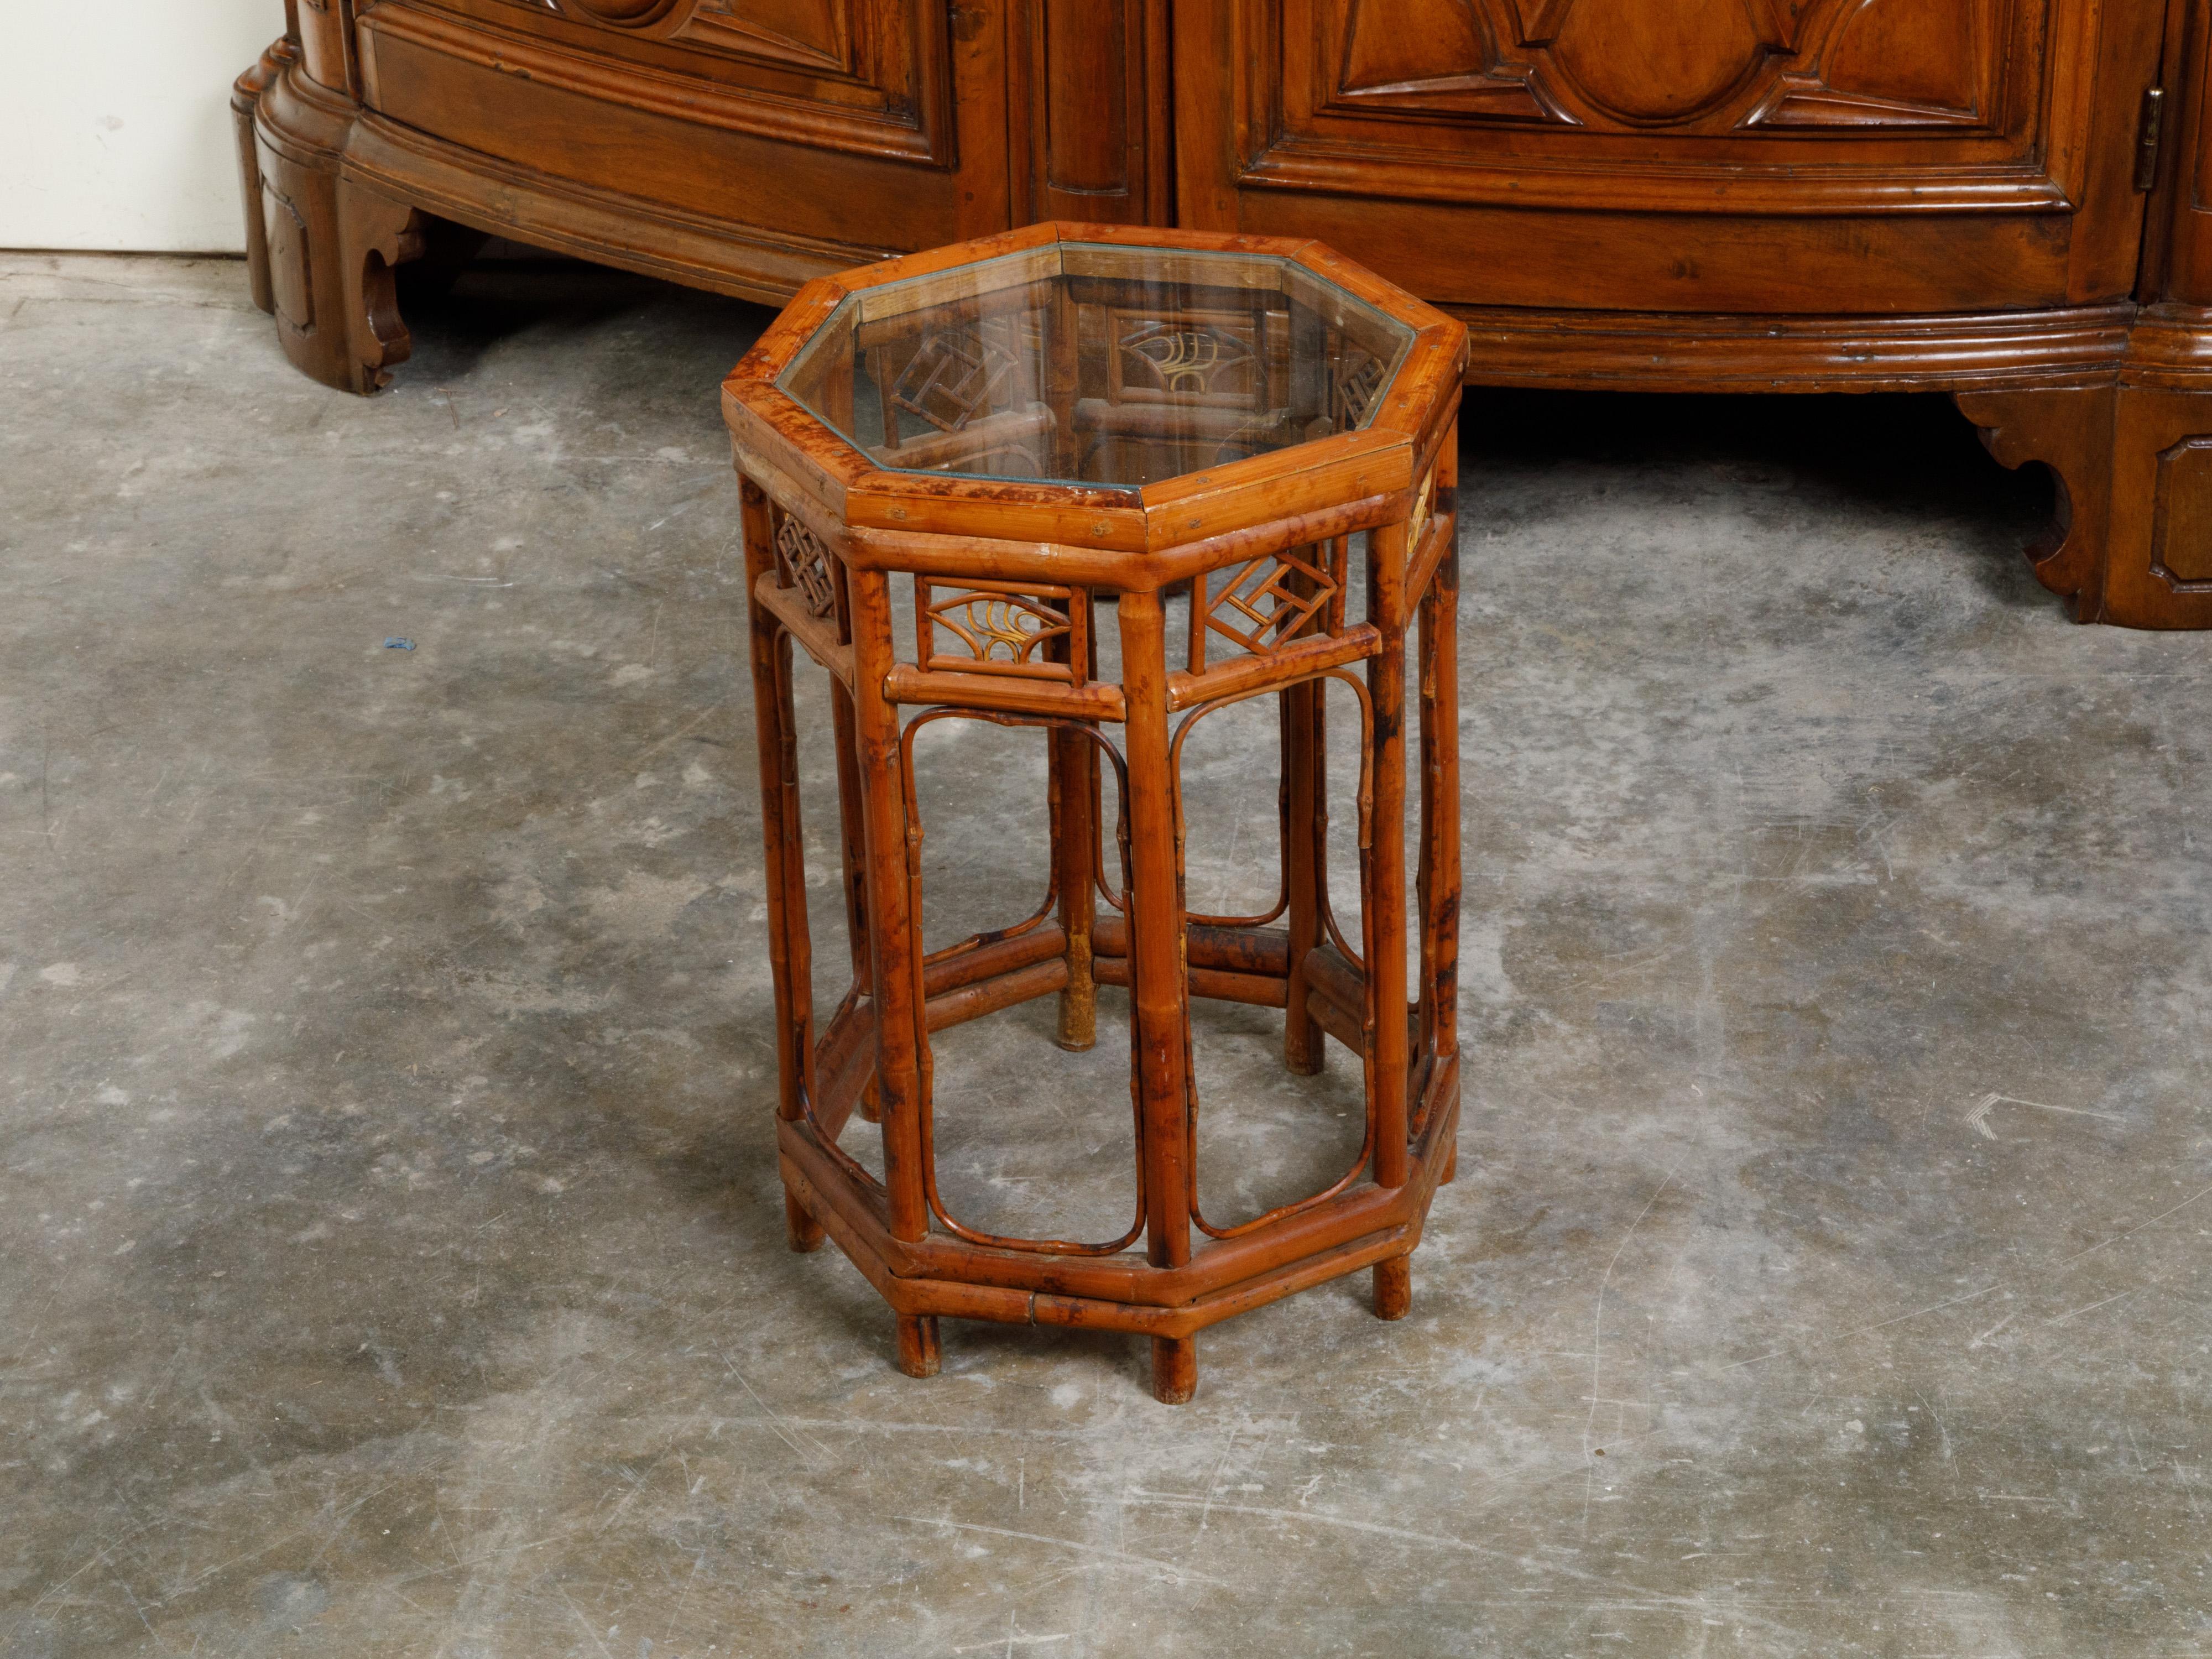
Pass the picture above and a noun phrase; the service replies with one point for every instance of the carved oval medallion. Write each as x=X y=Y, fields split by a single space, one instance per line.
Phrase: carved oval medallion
x=1658 y=62
x=621 y=14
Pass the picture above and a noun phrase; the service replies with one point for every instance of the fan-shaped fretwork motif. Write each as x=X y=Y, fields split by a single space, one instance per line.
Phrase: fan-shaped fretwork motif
x=1185 y=357
x=1417 y=522
x=995 y=628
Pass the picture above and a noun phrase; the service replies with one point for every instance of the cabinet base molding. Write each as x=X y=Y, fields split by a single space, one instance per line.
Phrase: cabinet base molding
x=1583 y=350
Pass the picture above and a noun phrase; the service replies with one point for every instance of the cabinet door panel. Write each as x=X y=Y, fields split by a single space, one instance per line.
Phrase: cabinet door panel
x=1087 y=103
x=1816 y=126
x=821 y=131
x=867 y=75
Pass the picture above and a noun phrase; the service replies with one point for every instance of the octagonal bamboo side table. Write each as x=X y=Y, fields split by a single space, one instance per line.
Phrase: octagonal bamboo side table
x=1030 y=434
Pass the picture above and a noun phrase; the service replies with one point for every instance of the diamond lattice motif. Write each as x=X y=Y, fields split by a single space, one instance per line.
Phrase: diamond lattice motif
x=1260 y=592
x=955 y=375
x=805 y=567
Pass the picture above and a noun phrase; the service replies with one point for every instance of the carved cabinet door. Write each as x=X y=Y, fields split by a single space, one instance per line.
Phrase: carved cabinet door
x=1768 y=156
x=841 y=129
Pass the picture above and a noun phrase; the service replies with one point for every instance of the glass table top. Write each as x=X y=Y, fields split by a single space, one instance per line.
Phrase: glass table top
x=1088 y=364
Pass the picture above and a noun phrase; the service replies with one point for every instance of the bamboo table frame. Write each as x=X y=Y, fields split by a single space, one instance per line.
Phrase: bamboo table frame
x=1017 y=571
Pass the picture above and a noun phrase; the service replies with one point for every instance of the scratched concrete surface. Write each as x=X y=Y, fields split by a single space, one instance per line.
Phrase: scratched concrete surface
x=390 y=1256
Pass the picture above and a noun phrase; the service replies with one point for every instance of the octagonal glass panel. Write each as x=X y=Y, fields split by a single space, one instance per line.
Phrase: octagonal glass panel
x=1090 y=363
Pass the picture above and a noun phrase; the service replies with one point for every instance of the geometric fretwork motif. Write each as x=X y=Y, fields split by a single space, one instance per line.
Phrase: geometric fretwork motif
x=1357 y=380
x=955 y=375
x=978 y=627
x=805 y=567
x=1266 y=603
x=1418 y=520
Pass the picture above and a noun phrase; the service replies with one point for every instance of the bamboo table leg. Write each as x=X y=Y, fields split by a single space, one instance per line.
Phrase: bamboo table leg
x=919 y=1354
x=1384 y=901
x=776 y=744
x=852 y=814
x=1174 y=1370
x=1074 y=786
x=1305 y=808
x=1440 y=804
x=1156 y=967
x=1393 y=1287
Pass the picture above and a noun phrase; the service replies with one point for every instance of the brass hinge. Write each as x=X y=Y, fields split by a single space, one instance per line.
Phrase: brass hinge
x=2150 y=127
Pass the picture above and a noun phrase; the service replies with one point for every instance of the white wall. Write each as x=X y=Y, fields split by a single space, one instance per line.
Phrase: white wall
x=115 y=121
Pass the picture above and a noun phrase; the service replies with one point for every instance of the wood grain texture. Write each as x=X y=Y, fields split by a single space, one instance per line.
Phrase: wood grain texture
x=1088 y=111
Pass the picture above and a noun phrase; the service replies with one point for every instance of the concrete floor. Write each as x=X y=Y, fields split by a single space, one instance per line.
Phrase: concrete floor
x=390 y=1255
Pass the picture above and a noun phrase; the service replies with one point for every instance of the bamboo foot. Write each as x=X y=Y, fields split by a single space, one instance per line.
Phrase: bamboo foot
x=919 y=1354
x=1451 y=1168
x=803 y=1232
x=871 y=1103
x=1174 y=1370
x=1393 y=1287
x=1078 y=1017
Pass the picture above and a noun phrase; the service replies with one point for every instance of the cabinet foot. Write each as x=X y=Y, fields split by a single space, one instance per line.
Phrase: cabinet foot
x=322 y=250
x=2131 y=543
x=2069 y=431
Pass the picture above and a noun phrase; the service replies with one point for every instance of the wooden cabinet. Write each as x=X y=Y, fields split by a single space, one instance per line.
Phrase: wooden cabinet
x=1995 y=198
